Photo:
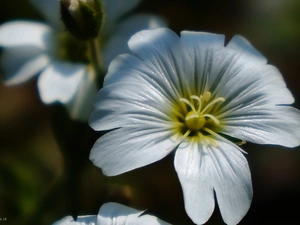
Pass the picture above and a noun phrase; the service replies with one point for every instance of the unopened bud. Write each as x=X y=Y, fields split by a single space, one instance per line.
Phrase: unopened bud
x=83 y=18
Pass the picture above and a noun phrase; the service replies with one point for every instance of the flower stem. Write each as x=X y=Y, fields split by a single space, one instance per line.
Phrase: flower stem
x=96 y=59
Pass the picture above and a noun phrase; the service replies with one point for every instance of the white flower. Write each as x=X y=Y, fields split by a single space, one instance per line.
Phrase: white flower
x=32 y=48
x=192 y=95
x=113 y=214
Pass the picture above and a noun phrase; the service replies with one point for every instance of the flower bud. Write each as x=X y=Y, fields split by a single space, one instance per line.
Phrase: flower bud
x=83 y=18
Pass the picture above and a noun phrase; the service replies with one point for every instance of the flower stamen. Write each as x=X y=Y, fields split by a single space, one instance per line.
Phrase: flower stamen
x=212 y=117
x=199 y=101
x=206 y=96
x=195 y=116
x=220 y=99
x=187 y=133
x=188 y=103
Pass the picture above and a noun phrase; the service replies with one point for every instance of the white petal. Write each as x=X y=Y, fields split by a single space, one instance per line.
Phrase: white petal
x=232 y=180
x=81 y=220
x=50 y=10
x=243 y=82
x=202 y=40
x=20 y=33
x=202 y=48
x=161 y=50
x=136 y=146
x=130 y=93
x=60 y=82
x=130 y=69
x=81 y=106
x=118 y=105
x=117 y=214
x=114 y=9
x=22 y=63
x=68 y=220
x=117 y=43
x=194 y=170
x=277 y=125
x=240 y=44
x=86 y=220
x=233 y=71
x=202 y=169
x=162 y=39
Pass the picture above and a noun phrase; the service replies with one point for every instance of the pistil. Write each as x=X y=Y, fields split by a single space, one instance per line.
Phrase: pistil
x=195 y=119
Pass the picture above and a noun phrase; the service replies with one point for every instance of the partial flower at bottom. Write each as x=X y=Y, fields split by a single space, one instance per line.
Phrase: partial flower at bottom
x=201 y=99
x=113 y=214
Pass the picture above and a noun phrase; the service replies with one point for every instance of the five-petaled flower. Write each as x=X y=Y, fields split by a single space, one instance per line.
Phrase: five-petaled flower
x=113 y=214
x=201 y=99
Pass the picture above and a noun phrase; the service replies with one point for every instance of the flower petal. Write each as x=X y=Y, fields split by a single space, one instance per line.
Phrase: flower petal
x=60 y=82
x=81 y=220
x=114 y=9
x=243 y=81
x=159 y=48
x=194 y=170
x=22 y=63
x=277 y=125
x=233 y=71
x=202 y=169
x=81 y=106
x=68 y=220
x=232 y=179
x=86 y=220
x=129 y=92
x=202 y=40
x=117 y=214
x=20 y=33
x=240 y=44
x=117 y=43
x=120 y=105
x=201 y=48
x=50 y=10
x=136 y=146
x=130 y=69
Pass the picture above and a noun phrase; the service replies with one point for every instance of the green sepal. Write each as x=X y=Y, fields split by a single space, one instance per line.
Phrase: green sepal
x=87 y=22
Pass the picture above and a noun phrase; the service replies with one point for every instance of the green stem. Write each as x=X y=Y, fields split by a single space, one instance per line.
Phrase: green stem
x=96 y=59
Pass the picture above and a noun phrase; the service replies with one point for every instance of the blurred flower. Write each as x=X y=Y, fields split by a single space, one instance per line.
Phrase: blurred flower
x=65 y=73
x=195 y=96
x=113 y=214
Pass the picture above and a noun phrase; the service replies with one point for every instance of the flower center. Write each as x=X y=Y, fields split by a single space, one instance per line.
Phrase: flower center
x=198 y=111
x=194 y=122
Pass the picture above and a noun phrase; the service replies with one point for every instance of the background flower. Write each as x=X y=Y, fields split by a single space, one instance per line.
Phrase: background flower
x=31 y=47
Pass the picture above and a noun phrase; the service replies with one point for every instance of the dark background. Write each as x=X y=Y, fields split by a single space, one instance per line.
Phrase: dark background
x=36 y=186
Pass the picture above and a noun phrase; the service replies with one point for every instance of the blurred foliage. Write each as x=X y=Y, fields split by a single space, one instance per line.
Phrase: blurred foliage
x=45 y=173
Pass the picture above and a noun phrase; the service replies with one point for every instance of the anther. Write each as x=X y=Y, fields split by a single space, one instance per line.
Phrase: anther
x=206 y=96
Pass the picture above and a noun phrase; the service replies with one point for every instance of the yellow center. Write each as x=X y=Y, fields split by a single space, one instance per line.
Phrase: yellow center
x=194 y=122
x=199 y=109
x=196 y=117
